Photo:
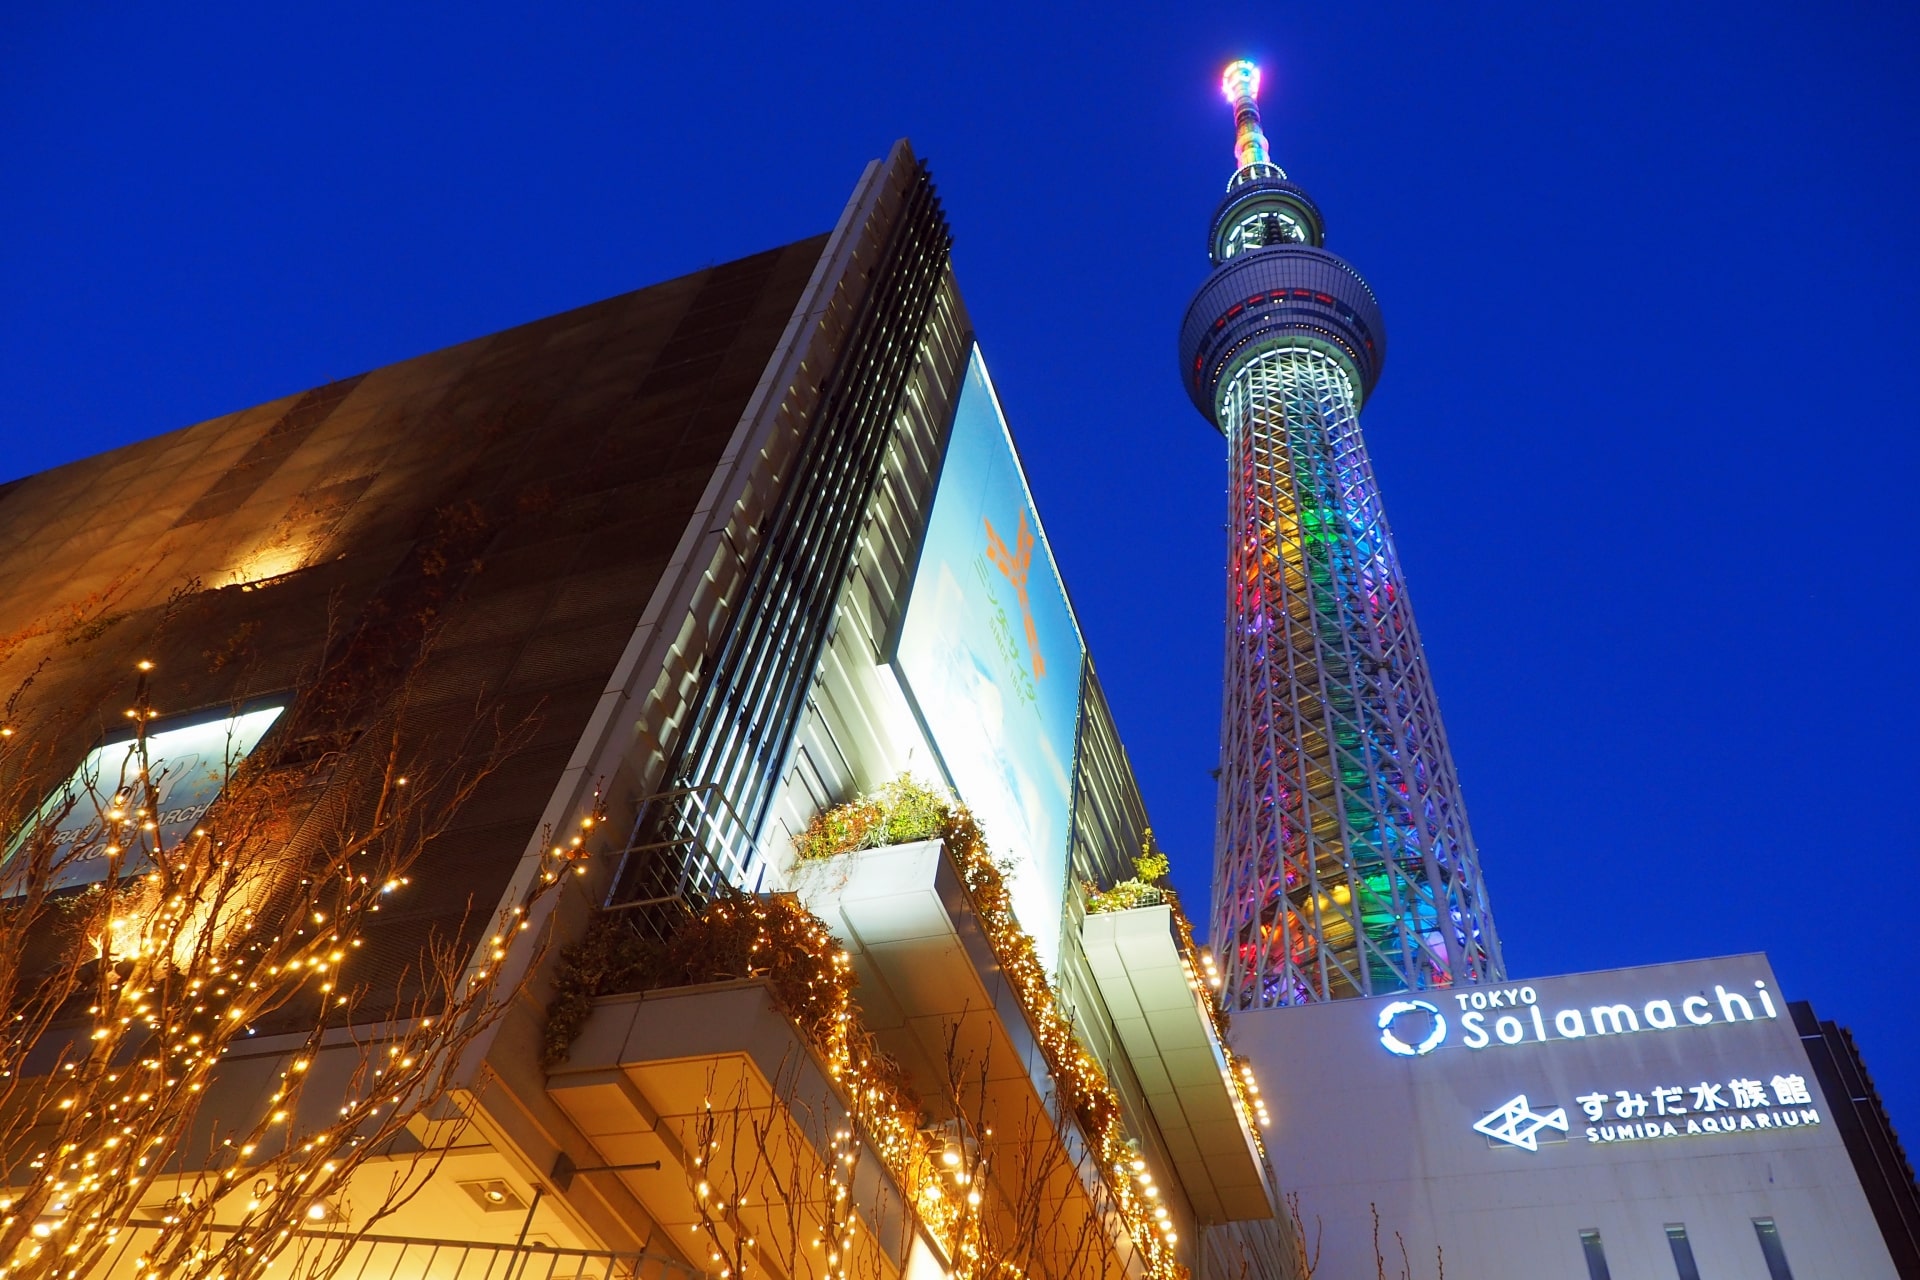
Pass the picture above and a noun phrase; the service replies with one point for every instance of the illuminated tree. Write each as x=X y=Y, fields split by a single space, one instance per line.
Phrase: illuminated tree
x=126 y=994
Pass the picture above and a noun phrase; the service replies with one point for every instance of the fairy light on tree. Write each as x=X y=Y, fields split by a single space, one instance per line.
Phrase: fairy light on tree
x=138 y=985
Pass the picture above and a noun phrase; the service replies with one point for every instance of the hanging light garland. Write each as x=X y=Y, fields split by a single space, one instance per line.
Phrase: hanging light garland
x=1088 y=1094
x=186 y=946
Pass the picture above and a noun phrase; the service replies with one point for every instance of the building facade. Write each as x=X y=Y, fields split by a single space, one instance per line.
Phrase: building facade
x=1344 y=864
x=683 y=572
x=1659 y=1121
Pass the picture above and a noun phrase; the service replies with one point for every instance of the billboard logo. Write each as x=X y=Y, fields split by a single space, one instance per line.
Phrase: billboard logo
x=1017 y=565
x=1436 y=1032
x=990 y=657
x=1517 y=1124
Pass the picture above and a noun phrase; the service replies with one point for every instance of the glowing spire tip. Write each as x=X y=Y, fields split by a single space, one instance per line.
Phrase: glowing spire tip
x=1241 y=80
x=1241 y=83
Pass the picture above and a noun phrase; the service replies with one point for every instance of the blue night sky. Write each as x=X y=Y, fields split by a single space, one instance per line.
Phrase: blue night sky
x=1649 y=272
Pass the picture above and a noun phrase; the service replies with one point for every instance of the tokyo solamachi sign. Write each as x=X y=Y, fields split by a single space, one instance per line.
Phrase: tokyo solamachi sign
x=1601 y=1087
x=1510 y=1016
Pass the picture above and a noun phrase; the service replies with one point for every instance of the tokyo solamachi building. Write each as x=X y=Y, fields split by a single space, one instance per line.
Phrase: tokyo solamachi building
x=1431 y=1112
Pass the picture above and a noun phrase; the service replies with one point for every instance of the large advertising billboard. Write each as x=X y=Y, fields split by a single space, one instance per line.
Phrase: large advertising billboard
x=990 y=654
x=188 y=763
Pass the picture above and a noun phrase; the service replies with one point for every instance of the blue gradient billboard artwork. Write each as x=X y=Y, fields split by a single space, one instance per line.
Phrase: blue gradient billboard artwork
x=990 y=654
x=189 y=765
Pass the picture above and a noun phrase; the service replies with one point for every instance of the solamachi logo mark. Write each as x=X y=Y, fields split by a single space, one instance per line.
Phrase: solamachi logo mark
x=1400 y=1048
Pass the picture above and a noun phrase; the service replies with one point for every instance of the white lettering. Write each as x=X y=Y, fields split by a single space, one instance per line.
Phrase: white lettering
x=1730 y=1123
x=1601 y=1019
x=1614 y=1019
x=1728 y=1000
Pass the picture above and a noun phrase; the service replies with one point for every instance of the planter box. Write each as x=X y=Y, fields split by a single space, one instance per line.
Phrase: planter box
x=1164 y=1027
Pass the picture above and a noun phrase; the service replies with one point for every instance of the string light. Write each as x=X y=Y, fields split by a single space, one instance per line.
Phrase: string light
x=201 y=936
x=1087 y=1091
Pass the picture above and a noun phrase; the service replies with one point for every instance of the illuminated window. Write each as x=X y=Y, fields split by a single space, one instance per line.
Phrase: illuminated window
x=100 y=812
x=1596 y=1255
x=1267 y=226
x=1770 y=1249
x=1682 y=1251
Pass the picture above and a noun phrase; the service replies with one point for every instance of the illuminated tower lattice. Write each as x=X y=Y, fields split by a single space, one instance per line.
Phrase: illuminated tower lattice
x=1344 y=865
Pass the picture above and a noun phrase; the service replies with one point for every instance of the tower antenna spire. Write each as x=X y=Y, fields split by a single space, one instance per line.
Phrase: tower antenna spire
x=1241 y=83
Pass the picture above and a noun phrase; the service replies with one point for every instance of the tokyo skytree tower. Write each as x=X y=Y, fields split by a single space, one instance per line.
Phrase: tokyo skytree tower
x=1344 y=865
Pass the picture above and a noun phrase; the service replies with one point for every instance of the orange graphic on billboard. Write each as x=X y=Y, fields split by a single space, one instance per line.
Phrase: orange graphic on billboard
x=1016 y=565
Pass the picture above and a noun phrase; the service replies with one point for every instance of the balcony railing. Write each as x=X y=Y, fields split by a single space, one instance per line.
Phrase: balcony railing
x=683 y=846
x=407 y=1258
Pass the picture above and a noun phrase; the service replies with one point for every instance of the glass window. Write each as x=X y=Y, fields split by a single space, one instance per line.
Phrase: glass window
x=99 y=809
x=1267 y=226
x=1682 y=1251
x=1596 y=1255
x=1770 y=1249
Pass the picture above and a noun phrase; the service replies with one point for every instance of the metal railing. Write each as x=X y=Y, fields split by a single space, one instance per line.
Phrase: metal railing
x=337 y=1256
x=670 y=870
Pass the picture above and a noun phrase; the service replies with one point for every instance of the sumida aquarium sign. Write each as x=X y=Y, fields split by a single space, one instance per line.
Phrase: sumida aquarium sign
x=1768 y=1090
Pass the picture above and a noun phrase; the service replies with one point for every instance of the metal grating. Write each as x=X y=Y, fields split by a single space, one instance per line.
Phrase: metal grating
x=725 y=770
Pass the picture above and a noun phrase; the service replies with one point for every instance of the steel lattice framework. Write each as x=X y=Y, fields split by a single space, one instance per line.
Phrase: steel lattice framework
x=1344 y=864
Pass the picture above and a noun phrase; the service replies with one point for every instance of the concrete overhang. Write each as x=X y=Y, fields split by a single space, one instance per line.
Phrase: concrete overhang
x=933 y=993
x=1161 y=1015
x=658 y=1076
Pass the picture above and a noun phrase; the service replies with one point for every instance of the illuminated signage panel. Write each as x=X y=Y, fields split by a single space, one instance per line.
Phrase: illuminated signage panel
x=1695 y=1050
x=189 y=764
x=991 y=655
x=1499 y=1121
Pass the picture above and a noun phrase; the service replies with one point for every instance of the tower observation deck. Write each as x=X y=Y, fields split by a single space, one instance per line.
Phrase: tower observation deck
x=1343 y=865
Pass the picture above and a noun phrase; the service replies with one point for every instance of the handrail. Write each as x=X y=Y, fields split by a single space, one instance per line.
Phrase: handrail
x=428 y=1258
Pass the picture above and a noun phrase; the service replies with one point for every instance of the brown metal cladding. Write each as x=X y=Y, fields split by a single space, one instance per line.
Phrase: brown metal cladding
x=517 y=497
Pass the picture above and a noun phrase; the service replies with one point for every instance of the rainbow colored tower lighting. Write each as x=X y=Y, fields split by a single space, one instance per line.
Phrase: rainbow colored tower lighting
x=1344 y=865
